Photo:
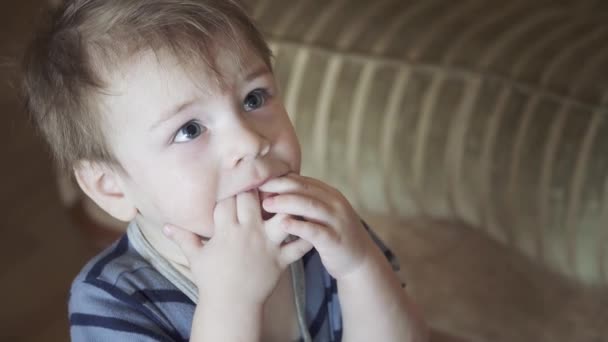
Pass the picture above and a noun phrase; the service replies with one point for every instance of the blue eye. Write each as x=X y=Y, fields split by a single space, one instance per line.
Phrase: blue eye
x=188 y=132
x=255 y=99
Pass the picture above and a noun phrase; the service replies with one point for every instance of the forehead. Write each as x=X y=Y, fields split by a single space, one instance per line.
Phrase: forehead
x=151 y=81
x=161 y=67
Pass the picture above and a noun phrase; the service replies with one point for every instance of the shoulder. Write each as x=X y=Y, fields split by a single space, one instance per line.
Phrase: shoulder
x=121 y=266
x=119 y=292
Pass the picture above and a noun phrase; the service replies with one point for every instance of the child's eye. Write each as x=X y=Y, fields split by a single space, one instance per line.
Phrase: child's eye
x=188 y=132
x=255 y=99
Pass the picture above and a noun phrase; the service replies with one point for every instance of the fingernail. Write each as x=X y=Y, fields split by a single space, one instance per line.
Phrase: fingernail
x=269 y=201
x=167 y=230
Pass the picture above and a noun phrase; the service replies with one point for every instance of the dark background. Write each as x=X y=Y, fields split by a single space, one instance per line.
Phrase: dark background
x=40 y=250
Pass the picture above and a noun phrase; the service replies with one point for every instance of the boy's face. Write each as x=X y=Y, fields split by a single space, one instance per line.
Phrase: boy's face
x=185 y=146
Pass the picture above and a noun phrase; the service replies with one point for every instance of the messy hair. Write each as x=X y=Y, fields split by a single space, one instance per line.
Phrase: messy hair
x=63 y=67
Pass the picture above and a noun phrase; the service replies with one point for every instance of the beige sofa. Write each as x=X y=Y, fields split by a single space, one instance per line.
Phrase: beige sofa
x=472 y=136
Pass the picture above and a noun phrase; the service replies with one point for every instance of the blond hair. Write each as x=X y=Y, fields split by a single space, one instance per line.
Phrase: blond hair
x=64 y=65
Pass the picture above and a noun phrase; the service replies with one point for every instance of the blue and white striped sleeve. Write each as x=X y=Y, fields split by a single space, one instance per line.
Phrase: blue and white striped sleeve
x=102 y=312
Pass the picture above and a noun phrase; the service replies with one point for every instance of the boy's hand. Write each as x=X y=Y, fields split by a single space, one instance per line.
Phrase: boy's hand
x=330 y=223
x=244 y=259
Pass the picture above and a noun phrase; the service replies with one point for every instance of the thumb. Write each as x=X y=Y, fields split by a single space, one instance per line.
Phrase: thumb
x=187 y=241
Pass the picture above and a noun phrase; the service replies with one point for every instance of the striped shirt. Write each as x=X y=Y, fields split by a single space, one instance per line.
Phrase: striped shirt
x=121 y=296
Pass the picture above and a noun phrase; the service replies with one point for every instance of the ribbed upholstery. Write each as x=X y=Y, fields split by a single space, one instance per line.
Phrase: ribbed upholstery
x=491 y=113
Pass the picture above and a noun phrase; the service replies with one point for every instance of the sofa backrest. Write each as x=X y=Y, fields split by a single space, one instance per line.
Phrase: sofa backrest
x=491 y=113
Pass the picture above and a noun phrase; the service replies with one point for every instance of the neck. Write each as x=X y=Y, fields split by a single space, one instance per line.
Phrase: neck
x=165 y=247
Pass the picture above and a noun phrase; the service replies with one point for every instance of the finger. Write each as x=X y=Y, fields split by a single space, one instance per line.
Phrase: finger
x=294 y=184
x=326 y=189
x=188 y=242
x=310 y=208
x=274 y=228
x=313 y=181
x=294 y=251
x=225 y=211
x=320 y=236
x=248 y=207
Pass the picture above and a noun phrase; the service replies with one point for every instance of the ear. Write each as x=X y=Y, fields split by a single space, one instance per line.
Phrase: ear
x=102 y=184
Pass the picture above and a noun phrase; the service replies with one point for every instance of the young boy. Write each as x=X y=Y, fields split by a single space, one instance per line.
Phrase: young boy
x=170 y=118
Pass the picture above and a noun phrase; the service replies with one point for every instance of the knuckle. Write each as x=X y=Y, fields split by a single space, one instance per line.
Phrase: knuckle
x=339 y=196
x=313 y=204
x=285 y=222
x=310 y=203
x=316 y=233
x=329 y=235
x=339 y=210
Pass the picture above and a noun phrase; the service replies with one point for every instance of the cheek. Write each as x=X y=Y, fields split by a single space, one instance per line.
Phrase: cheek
x=286 y=139
x=185 y=199
x=290 y=147
x=191 y=205
x=182 y=191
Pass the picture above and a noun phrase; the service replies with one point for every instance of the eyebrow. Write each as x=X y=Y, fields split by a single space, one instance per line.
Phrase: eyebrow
x=171 y=113
x=257 y=72
x=167 y=115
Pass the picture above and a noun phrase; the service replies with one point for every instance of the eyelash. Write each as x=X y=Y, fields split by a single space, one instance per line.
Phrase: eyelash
x=201 y=129
x=263 y=92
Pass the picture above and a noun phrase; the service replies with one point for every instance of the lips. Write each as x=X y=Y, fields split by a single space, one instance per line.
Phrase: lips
x=263 y=195
x=256 y=184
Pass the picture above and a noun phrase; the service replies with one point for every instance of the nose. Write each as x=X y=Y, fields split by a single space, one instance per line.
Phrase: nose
x=243 y=142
